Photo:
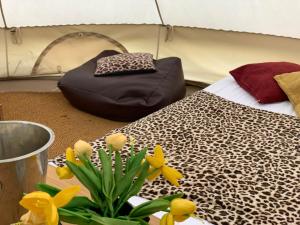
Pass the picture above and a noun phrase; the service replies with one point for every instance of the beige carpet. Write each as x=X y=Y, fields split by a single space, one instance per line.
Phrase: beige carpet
x=54 y=111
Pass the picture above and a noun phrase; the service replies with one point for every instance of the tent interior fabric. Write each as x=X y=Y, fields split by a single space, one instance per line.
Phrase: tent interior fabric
x=248 y=15
x=210 y=40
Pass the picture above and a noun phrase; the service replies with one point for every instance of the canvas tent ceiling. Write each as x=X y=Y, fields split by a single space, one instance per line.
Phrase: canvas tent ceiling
x=20 y=13
x=275 y=17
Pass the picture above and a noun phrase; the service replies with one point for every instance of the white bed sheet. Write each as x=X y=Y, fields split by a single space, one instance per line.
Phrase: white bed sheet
x=229 y=89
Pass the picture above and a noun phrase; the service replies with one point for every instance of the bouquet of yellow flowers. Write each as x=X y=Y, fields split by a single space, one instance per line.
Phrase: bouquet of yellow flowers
x=110 y=187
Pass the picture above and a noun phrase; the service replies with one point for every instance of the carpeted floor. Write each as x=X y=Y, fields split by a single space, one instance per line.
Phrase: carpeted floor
x=53 y=110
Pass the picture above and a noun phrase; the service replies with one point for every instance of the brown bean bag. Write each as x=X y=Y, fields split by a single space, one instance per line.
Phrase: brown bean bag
x=124 y=97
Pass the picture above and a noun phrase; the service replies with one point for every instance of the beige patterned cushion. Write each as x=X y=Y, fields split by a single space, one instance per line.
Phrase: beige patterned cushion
x=125 y=63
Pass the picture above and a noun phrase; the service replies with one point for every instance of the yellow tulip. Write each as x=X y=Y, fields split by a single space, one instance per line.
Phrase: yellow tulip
x=158 y=164
x=42 y=208
x=116 y=141
x=158 y=160
x=31 y=218
x=153 y=173
x=171 y=174
x=181 y=209
x=65 y=172
x=167 y=219
x=81 y=147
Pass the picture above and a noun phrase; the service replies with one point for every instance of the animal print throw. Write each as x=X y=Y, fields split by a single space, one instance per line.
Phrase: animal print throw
x=125 y=63
x=241 y=165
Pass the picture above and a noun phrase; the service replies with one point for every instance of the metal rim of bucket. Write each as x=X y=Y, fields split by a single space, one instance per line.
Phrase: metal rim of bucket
x=46 y=146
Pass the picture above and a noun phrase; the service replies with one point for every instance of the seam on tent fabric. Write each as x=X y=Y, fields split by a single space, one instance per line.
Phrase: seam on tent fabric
x=6 y=51
x=158 y=41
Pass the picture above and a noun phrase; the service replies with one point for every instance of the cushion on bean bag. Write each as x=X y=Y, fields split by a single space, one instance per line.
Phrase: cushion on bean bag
x=125 y=63
x=124 y=97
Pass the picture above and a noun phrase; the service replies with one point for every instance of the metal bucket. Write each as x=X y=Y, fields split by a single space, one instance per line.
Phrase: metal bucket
x=23 y=163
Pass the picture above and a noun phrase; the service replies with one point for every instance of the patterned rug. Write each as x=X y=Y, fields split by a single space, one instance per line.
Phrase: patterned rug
x=241 y=165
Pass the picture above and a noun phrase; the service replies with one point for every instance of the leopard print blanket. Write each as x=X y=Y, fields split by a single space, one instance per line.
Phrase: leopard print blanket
x=241 y=165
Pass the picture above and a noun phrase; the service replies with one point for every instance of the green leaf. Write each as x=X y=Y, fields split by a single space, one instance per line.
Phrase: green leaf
x=73 y=217
x=171 y=197
x=85 y=180
x=134 y=169
x=137 y=159
x=108 y=181
x=81 y=176
x=108 y=184
x=88 y=164
x=128 y=163
x=92 y=177
x=148 y=208
x=98 y=220
x=118 y=168
x=135 y=187
x=81 y=202
x=47 y=188
x=139 y=182
x=126 y=181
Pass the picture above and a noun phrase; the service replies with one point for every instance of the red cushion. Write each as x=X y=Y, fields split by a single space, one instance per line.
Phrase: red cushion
x=257 y=79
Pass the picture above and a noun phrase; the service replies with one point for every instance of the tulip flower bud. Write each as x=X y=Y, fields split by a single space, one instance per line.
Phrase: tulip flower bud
x=82 y=147
x=182 y=207
x=64 y=173
x=117 y=141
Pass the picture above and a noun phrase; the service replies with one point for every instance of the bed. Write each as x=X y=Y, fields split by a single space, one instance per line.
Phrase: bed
x=230 y=90
x=241 y=161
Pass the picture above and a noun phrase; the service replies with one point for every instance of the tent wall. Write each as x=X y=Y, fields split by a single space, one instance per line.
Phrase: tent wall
x=3 y=64
x=207 y=55
x=74 y=51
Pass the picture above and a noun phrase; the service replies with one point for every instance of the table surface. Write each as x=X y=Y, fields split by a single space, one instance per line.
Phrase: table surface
x=52 y=179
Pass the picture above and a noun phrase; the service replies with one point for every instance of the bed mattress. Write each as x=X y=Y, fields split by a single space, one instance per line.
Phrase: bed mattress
x=241 y=164
x=229 y=89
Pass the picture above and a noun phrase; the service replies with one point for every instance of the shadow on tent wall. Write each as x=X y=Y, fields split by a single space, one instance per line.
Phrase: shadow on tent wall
x=207 y=55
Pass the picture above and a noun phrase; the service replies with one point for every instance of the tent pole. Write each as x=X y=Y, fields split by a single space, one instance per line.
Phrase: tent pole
x=159 y=28
x=159 y=13
x=2 y=15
